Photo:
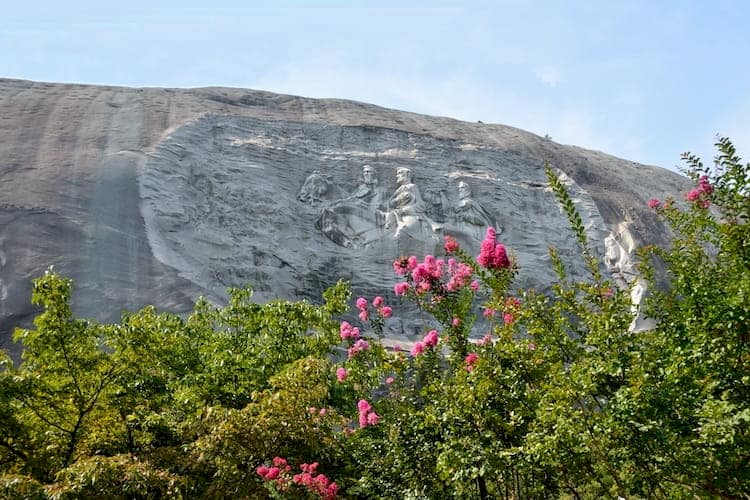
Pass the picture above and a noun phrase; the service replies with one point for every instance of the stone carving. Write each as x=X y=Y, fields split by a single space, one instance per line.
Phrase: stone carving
x=352 y=222
x=470 y=215
x=640 y=322
x=617 y=260
x=406 y=216
x=368 y=215
x=314 y=189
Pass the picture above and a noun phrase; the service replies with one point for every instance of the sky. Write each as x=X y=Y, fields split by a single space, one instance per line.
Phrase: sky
x=642 y=80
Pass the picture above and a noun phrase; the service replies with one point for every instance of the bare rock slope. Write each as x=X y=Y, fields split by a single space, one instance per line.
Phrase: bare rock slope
x=146 y=195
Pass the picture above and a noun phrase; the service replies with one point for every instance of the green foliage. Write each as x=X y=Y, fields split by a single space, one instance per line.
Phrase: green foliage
x=560 y=399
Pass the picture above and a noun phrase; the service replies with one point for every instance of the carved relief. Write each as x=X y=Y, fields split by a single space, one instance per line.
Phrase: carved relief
x=352 y=222
x=469 y=215
x=369 y=215
x=617 y=260
x=314 y=189
x=406 y=216
x=640 y=322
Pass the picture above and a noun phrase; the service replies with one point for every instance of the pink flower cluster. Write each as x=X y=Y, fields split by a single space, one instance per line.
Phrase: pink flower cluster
x=359 y=346
x=341 y=373
x=701 y=195
x=347 y=331
x=427 y=276
x=460 y=275
x=471 y=360
x=403 y=265
x=451 y=245
x=429 y=341
x=364 y=313
x=401 y=288
x=704 y=185
x=362 y=306
x=366 y=415
x=315 y=483
x=653 y=203
x=492 y=254
x=272 y=473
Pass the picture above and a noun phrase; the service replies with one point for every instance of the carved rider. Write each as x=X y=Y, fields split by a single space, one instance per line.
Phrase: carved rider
x=469 y=211
x=407 y=211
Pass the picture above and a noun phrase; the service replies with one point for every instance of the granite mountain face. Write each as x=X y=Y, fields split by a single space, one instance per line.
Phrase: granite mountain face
x=156 y=196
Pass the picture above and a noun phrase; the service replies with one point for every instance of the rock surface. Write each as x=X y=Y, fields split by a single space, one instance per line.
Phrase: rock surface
x=161 y=195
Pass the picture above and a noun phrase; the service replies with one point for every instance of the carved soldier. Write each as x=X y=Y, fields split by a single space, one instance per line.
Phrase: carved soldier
x=407 y=211
x=314 y=188
x=469 y=211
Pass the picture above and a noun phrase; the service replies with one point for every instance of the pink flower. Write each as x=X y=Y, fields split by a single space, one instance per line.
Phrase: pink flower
x=400 y=288
x=322 y=412
x=489 y=312
x=693 y=194
x=364 y=406
x=262 y=471
x=456 y=322
x=508 y=318
x=704 y=185
x=331 y=491
x=431 y=339
x=492 y=255
x=363 y=315
x=273 y=473
x=417 y=349
x=386 y=311
x=312 y=410
x=359 y=346
x=389 y=380
x=531 y=346
x=487 y=339
x=451 y=245
x=474 y=285
x=366 y=414
x=377 y=301
x=347 y=331
x=411 y=263
x=471 y=360
x=279 y=462
x=361 y=303
x=373 y=418
x=400 y=266
x=341 y=373
x=653 y=203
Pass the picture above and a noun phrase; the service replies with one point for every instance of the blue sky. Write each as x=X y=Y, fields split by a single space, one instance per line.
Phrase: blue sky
x=643 y=80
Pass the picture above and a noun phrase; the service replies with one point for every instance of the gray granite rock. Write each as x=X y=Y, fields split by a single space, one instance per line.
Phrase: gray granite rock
x=160 y=195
